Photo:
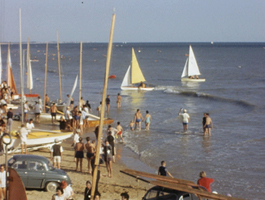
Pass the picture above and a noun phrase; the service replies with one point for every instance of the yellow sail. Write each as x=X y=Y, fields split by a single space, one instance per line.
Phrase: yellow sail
x=137 y=75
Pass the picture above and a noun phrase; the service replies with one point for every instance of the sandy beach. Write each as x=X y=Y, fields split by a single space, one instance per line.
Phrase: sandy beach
x=110 y=188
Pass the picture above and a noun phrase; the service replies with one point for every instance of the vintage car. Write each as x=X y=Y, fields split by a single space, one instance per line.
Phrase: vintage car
x=38 y=172
x=161 y=193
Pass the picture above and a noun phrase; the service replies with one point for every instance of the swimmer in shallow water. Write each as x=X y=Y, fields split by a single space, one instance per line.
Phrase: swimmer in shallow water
x=147 y=120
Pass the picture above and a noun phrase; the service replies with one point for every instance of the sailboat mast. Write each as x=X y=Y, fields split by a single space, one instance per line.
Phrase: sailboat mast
x=80 y=74
x=45 y=80
x=59 y=66
x=103 y=106
x=28 y=67
x=21 y=70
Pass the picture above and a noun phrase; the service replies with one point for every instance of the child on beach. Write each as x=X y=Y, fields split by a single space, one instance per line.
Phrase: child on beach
x=119 y=131
x=131 y=125
x=163 y=170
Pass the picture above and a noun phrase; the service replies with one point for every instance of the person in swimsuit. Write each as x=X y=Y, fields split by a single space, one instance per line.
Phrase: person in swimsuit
x=47 y=101
x=204 y=122
x=119 y=131
x=90 y=147
x=137 y=119
x=208 y=125
x=108 y=157
x=108 y=103
x=131 y=125
x=163 y=170
x=118 y=100
x=53 y=112
x=79 y=153
x=147 y=120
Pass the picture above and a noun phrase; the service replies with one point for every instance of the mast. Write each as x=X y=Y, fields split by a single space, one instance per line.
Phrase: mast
x=29 y=70
x=45 y=79
x=80 y=74
x=59 y=66
x=103 y=106
x=21 y=70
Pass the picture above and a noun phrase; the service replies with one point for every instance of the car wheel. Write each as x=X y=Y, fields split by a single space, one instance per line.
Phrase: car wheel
x=51 y=186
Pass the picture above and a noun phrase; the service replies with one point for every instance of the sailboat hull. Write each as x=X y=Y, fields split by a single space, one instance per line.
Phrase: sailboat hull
x=136 y=88
x=193 y=80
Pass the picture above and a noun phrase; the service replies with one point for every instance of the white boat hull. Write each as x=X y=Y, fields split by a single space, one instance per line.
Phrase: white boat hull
x=193 y=79
x=136 y=88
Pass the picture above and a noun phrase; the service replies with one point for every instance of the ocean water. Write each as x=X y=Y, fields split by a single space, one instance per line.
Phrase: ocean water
x=233 y=94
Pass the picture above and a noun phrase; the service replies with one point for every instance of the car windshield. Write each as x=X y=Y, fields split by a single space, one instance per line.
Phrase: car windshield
x=50 y=166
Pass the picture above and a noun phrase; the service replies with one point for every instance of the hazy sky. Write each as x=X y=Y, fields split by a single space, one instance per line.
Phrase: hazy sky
x=136 y=20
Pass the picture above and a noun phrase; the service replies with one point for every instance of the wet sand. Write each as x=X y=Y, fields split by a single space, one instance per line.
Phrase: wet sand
x=110 y=188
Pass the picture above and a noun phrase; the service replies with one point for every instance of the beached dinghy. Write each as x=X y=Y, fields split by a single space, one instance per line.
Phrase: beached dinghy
x=37 y=139
x=134 y=75
x=191 y=69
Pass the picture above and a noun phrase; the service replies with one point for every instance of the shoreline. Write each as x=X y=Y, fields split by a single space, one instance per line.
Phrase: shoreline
x=110 y=188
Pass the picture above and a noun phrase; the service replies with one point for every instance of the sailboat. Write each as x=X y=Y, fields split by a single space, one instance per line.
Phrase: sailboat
x=191 y=69
x=135 y=77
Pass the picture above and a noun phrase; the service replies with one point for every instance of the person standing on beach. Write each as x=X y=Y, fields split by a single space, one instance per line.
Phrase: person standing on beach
x=59 y=194
x=111 y=140
x=23 y=133
x=118 y=100
x=2 y=182
x=119 y=131
x=53 y=112
x=9 y=116
x=71 y=102
x=163 y=170
x=147 y=120
x=47 y=101
x=108 y=157
x=90 y=148
x=137 y=119
x=56 y=154
x=204 y=181
x=38 y=110
x=79 y=153
x=208 y=125
x=26 y=110
x=40 y=102
x=108 y=103
x=87 y=193
x=68 y=191
x=99 y=108
x=185 y=119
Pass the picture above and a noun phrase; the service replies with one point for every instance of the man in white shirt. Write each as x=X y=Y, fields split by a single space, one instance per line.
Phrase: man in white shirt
x=185 y=119
x=30 y=125
x=38 y=111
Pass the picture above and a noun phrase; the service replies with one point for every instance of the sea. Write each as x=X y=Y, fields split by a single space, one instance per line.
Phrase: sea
x=233 y=94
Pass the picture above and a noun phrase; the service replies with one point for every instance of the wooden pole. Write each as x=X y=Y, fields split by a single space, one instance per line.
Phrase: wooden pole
x=45 y=79
x=59 y=66
x=80 y=74
x=28 y=63
x=21 y=69
x=102 y=109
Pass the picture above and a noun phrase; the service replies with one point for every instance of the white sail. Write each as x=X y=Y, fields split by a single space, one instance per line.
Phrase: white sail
x=126 y=80
x=29 y=71
x=0 y=65
x=73 y=90
x=193 y=68
x=185 y=70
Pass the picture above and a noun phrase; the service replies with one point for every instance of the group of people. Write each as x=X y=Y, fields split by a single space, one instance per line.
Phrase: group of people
x=138 y=119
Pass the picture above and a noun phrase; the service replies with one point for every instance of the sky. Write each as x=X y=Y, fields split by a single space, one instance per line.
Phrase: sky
x=136 y=20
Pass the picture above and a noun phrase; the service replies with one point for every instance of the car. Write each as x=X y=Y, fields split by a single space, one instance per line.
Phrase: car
x=162 y=193
x=37 y=172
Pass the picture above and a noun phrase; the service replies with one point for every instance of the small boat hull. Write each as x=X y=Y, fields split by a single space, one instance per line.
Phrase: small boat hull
x=137 y=88
x=31 y=95
x=94 y=123
x=193 y=79
x=112 y=76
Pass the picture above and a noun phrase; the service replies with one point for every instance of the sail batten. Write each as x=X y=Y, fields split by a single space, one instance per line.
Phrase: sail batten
x=136 y=75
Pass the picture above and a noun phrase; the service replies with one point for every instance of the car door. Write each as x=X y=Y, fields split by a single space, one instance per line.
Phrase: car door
x=21 y=167
x=36 y=174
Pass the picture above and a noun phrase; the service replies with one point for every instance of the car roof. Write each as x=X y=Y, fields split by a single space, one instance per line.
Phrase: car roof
x=30 y=157
x=168 y=190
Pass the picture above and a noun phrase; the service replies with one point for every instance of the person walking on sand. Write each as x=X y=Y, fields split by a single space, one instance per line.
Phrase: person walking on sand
x=208 y=125
x=118 y=100
x=119 y=131
x=108 y=103
x=47 y=101
x=23 y=132
x=204 y=181
x=185 y=119
x=111 y=140
x=79 y=153
x=91 y=149
x=38 y=111
x=163 y=170
x=53 y=112
x=137 y=119
x=147 y=120
x=56 y=154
